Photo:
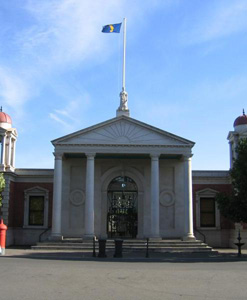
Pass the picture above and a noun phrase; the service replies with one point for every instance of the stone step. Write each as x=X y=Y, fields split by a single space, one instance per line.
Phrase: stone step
x=133 y=245
x=111 y=241
x=129 y=245
x=127 y=249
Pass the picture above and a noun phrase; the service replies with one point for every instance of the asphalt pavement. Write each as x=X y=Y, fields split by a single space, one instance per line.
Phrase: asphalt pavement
x=27 y=274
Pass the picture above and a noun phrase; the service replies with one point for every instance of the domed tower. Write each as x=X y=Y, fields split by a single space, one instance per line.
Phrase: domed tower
x=240 y=131
x=8 y=136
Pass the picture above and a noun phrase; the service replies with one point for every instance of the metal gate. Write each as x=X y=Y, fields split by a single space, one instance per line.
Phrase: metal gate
x=122 y=208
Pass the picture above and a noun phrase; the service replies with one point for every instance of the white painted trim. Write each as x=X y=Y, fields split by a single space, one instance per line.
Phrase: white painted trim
x=35 y=191
x=206 y=193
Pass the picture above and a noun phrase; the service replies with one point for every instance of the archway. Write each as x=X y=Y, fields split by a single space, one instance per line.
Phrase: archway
x=122 y=195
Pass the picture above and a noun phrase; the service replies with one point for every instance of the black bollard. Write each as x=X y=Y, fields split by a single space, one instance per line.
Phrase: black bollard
x=118 y=248
x=239 y=244
x=94 y=253
x=102 y=246
x=147 y=244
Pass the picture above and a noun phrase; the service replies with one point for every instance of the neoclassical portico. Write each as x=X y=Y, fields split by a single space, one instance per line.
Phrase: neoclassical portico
x=159 y=162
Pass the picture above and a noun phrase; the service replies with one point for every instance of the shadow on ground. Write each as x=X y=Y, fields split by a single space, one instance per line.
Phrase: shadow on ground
x=132 y=257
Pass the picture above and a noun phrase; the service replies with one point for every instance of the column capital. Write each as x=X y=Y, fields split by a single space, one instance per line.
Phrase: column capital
x=90 y=155
x=187 y=157
x=58 y=156
x=154 y=156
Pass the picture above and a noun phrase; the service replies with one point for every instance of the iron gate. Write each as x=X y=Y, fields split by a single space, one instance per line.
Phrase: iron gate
x=122 y=208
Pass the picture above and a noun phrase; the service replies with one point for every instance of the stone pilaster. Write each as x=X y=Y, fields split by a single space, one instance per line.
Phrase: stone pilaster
x=89 y=204
x=57 y=198
x=188 y=204
x=155 y=203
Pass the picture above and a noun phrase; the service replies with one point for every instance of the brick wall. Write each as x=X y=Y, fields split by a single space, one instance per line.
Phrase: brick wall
x=222 y=188
x=16 y=205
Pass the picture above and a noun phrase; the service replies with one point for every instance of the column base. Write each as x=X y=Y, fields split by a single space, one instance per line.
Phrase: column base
x=103 y=236
x=55 y=238
x=189 y=237
x=88 y=236
x=155 y=239
x=10 y=169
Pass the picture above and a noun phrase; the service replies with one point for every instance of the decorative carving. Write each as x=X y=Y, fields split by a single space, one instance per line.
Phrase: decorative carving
x=77 y=197
x=167 y=198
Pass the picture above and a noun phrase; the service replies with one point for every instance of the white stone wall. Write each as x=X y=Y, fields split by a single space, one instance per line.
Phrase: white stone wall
x=171 y=195
x=73 y=197
x=171 y=198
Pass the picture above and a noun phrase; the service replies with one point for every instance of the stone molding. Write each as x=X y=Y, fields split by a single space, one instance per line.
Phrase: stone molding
x=167 y=198
x=35 y=191
x=207 y=193
x=122 y=126
x=77 y=197
x=58 y=156
x=124 y=145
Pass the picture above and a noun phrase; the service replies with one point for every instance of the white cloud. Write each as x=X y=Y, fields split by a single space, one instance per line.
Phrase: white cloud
x=221 y=19
x=60 y=35
x=60 y=121
x=70 y=116
x=13 y=90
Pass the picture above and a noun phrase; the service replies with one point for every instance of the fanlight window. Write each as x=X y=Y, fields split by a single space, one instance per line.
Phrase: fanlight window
x=122 y=193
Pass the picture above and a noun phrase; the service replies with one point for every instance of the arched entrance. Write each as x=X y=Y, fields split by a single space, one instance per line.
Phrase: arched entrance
x=122 y=197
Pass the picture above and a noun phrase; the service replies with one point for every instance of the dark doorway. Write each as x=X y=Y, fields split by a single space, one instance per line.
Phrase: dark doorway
x=122 y=208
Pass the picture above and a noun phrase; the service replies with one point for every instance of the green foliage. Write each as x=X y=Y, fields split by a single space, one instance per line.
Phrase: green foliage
x=234 y=206
x=2 y=186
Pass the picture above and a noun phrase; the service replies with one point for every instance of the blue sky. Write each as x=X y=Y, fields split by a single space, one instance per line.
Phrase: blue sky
x=186 y=70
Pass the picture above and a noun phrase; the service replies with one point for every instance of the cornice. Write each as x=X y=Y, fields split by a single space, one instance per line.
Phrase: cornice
x=124 y=145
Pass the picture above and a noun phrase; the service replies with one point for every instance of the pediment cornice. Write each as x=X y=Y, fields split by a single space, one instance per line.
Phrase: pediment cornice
x=122 y=132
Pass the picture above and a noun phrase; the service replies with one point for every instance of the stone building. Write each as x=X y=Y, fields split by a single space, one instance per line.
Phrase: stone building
x=119 y=178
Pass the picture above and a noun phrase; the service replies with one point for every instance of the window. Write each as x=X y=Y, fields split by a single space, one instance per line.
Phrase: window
x=207 y=213
x=36 y=210
x=36 y=207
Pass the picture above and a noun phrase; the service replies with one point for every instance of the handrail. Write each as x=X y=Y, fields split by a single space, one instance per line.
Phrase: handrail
x=43 y=233
x=204 y=236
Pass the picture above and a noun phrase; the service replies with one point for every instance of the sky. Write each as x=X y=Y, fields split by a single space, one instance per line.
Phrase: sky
x=186 y=70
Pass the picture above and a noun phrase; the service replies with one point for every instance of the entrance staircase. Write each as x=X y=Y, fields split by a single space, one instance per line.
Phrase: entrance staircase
x=129 y=245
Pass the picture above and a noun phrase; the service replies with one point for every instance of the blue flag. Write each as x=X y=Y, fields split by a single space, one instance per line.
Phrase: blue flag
x=112 y=28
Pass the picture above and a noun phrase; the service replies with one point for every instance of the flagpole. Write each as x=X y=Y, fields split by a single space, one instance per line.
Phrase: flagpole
x=124 y=52
x=123 y=107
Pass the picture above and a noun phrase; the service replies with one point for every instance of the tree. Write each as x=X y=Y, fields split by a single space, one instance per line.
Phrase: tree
x=234 y=206
x=2 y=186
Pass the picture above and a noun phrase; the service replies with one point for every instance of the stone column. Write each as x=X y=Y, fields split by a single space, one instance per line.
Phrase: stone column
x=57 y=198
x=155 y=192
x=3 y=150
x=188 y=204
x=89 y=203
x=9 y=151
x=13 y=153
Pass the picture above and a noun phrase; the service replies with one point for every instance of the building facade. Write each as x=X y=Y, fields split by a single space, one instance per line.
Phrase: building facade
x=120 y=178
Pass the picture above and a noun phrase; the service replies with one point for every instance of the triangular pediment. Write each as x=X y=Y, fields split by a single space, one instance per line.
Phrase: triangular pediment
x=121 y=131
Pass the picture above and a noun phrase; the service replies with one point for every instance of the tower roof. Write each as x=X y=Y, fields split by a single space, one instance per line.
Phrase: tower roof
x=5 y=118
x=241 y=120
